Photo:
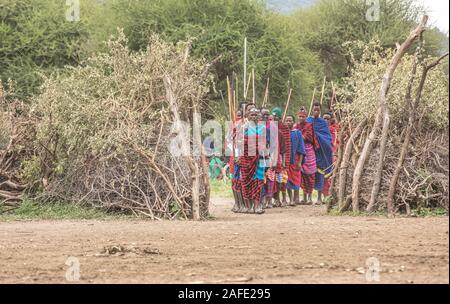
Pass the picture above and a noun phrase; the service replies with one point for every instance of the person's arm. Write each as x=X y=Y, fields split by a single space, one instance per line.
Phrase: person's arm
x=300 y=161
x=282 y=147
x=301 y=149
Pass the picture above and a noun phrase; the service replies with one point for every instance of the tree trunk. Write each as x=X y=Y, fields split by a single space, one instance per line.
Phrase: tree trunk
x=382 y=111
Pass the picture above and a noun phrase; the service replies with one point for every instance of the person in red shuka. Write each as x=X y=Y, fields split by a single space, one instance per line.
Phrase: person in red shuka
x=309 y=165
x=295 y=163
x=284 y=138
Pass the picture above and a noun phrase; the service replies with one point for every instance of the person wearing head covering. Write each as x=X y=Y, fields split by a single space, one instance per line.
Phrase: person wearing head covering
x=252 y=169
x=323 y=150
x=283 y=159
x=295 y=163
x=309 y=167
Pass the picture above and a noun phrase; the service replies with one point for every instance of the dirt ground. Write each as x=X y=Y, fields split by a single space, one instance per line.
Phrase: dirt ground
x=292 y=245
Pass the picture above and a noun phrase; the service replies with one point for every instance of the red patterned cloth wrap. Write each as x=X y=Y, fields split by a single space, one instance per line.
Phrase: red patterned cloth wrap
x=251 y=187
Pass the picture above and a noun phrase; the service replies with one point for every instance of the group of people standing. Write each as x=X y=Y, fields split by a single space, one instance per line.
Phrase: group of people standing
x=274 y=157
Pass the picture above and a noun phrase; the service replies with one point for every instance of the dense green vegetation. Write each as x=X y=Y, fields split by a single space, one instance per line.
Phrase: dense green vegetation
x=36 y=38
x=299 y=48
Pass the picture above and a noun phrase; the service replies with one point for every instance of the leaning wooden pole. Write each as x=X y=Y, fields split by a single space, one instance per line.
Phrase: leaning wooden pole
x=342 y=198
x=382 y=112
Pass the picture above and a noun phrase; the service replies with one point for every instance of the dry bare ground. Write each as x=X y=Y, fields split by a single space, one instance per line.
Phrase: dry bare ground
x=292 y=245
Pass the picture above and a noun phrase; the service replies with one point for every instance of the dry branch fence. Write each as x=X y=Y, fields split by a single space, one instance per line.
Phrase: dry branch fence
x=103 y=133
x=395 y=161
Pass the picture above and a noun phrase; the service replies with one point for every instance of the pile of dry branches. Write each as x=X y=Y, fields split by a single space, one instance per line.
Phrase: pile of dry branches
x=394 y=147
x=15 y=134
x=104 y=132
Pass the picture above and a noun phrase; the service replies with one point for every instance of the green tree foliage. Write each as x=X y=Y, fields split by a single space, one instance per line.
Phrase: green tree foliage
x=301 y=48
x=36 y=38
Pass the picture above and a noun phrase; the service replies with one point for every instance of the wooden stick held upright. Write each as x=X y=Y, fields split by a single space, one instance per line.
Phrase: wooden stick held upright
x=253 y=86
x=229 y=99
x=248 y=87
x=236 y=97
x=323 y=90
x=333 y=97
x=287 y=104
x=266 y=94
x=312 y=101
x=233 y=106
x=245 y=68
x=233 y=97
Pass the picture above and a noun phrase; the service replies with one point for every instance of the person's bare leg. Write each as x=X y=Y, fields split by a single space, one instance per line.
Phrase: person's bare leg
x=305 y=198
x=276 y=197
x=241 y=202
x=259 y=207
x=309 y=199
x=284 y=201
x=289 y=192
x=236 y=202
x=252 y=206
x=296 y=198
x=319 y=197
x=291 y=197
x=246 y=207
x=263 y=202
x=269 y=202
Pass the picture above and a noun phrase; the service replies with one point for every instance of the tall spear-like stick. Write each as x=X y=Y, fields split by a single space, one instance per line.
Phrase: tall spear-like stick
x=245 y=68
x=233 y=93
x=235 y=104
x=266 y=94
x=236 y=97
x=253 y=86
x=333 y=96
x=312 y=101
x=287 y=104
x=323 y=90
x=248 y=87
x=229 y=99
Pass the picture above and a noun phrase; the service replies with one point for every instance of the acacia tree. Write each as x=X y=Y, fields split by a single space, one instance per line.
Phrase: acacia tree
x=36 y=38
